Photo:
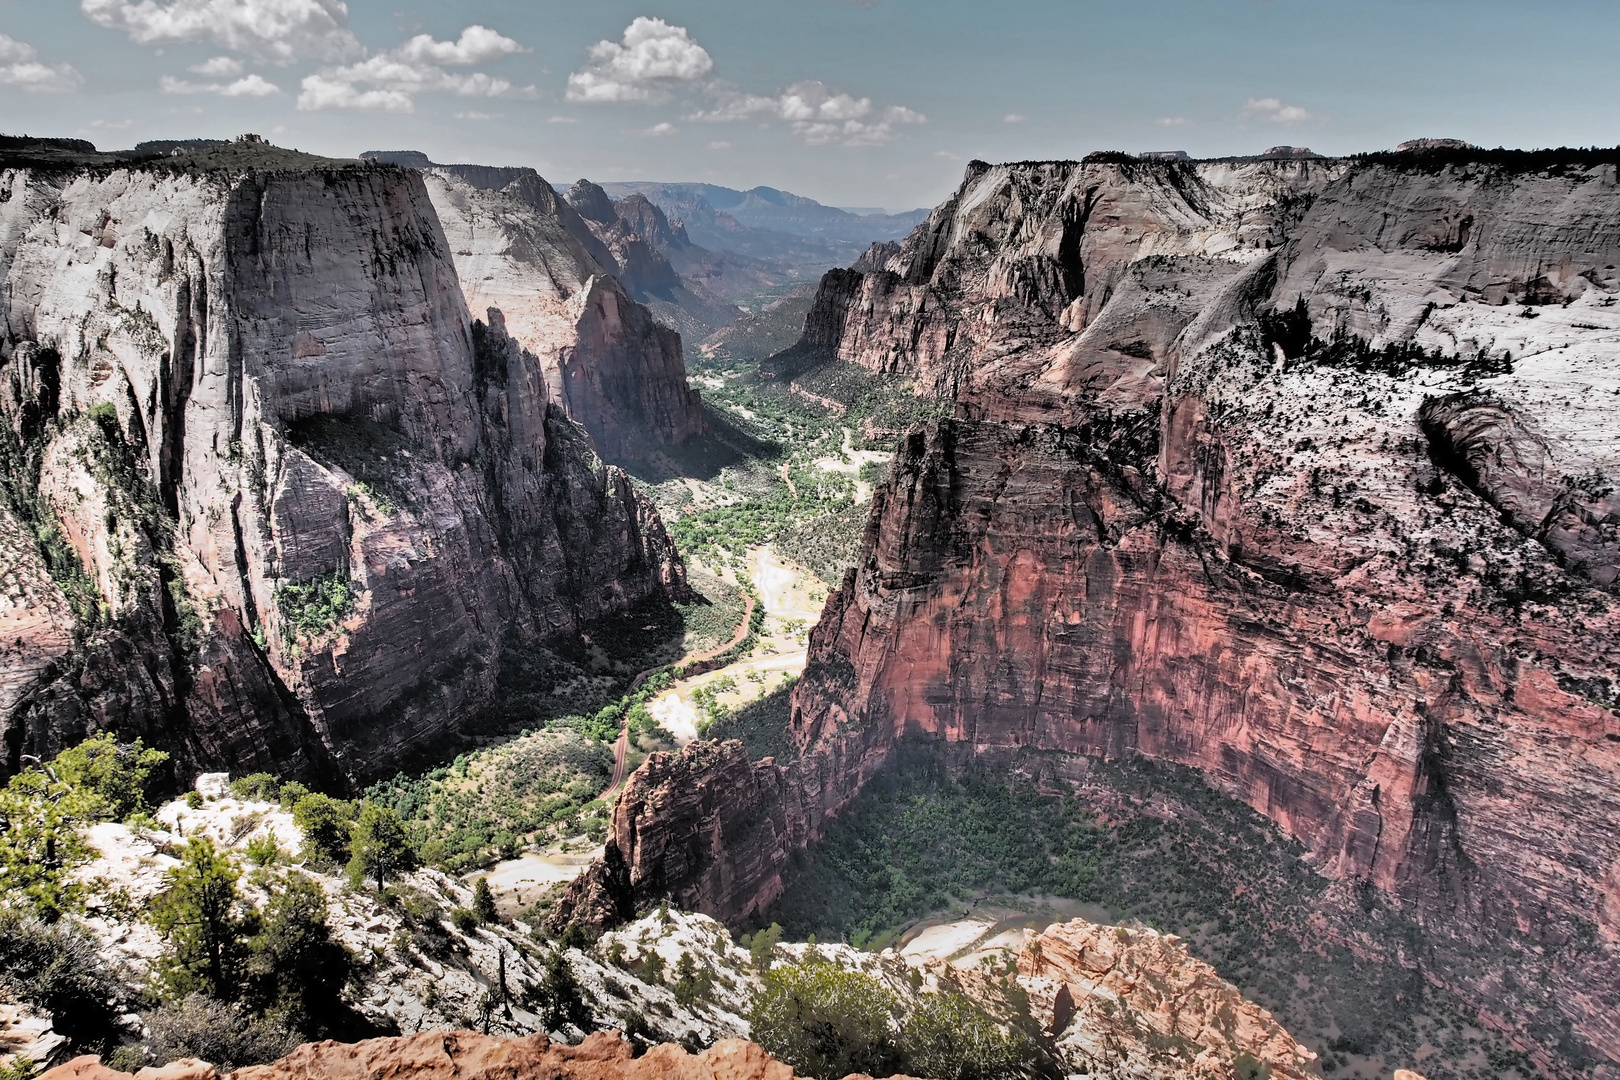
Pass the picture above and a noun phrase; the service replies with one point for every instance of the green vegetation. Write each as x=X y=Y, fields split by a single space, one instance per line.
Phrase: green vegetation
x=827 y=1021
x=44 y=807
x=317 y=606
x=295 y=970
x=492 y=803
x=325 y=823
x=112 y=779
x=1149 y=842
x=205 y=922
x=59 y=967
x=379 y=846
x=483 y=905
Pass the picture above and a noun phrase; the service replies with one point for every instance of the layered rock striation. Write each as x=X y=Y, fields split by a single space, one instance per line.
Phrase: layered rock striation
x=565 y=296
x=1296 y=471
x=273 y=497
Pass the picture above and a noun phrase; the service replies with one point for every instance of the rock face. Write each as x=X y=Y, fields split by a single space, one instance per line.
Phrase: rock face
x=287 y=499
x=1098 y=987
x=466 y=1055
x=1298 y=472
x=655 y=261
x=566 y=298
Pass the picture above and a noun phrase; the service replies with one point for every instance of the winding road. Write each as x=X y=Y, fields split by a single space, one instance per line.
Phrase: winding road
x=621 y=748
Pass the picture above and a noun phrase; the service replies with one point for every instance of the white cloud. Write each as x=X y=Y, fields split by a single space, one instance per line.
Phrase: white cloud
x=1276 y=111
x=278 y=30
x=720 y=144
x=249 y=86
x=1014 y=118
x=477 y=45
x=1172 y=121
x=818 y=115
x=947 y=155
x=563 y=120
x=220 y=67
x=474 y=114
x=661 y=131
x=650 y=59
x=389 y=81
x=20 y=66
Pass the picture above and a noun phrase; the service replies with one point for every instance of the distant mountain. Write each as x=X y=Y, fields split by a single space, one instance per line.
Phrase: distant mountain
x=770 y=208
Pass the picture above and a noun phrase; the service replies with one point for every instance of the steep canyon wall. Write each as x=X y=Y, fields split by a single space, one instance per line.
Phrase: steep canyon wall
x=286 y=499
x=1295 y=472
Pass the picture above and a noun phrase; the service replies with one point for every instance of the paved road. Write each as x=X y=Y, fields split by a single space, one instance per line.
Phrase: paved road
x=621 y=748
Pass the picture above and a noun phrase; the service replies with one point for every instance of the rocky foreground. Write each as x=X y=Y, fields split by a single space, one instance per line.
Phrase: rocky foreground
x=466 y=1055
x=1301 y=473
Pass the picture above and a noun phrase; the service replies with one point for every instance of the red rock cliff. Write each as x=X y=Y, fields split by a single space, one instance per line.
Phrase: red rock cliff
x=1253 y=471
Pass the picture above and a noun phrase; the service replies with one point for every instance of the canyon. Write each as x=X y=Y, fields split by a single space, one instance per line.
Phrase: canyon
x=277 y=499
x=1294 y=471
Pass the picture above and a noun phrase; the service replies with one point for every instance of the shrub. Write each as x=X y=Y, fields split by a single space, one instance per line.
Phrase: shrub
x=464 y=919
x=194 y=799
x=265 y=851
x=318 y=606
x=296 y=969
x=58 y=967
x=948 y=1037
x=325 y=823
x=291 y=792
x=199 y=915
x=380 y=848
x=827 y=1022
x=224 y=1035
x=257 y=787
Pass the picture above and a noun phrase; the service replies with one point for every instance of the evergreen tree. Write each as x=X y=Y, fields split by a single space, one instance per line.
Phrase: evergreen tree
x=483 y=904
x=199 y=915
x=296 y=968
x=379 y=845
x=325 y=823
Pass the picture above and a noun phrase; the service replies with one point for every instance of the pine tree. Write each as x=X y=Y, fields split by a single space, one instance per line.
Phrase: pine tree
x=200 y=917
x=379 y=845
x=483 y=904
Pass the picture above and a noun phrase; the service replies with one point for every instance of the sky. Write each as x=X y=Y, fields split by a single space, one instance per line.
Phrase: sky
x=870 y=103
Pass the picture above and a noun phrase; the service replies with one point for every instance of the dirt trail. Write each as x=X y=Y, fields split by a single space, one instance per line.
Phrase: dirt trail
x=792 y=598
x=621 y=747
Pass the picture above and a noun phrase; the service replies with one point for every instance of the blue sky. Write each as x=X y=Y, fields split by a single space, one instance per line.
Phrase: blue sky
x=870 y=103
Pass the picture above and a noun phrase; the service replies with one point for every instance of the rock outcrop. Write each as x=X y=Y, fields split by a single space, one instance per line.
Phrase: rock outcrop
x=655 y=261
x=274 y=499
x=1295 y=471
x=467 y=1055
x=1097 y=988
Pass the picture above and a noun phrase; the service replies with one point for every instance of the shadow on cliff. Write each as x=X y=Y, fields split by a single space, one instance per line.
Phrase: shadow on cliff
x=726 y=446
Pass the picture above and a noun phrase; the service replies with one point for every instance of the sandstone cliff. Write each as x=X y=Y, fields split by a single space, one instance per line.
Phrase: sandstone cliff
x=1294 y=471
x=466 y=1055
x=287 y=499
x=565 y=296
x=656 y=262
